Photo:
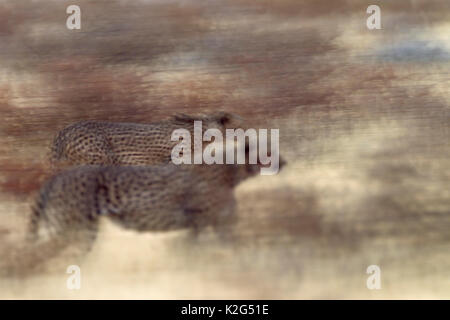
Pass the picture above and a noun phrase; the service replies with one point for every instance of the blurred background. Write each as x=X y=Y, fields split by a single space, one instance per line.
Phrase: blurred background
x=364 y=125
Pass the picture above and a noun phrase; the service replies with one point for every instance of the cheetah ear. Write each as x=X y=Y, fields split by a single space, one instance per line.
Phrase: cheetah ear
x=224 y=118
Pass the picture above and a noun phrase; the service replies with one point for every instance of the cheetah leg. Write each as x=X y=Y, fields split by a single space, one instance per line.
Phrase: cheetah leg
x=33 y=226
x=80 y=240
x=63 y=247
x=225 y=223
x=195 y=227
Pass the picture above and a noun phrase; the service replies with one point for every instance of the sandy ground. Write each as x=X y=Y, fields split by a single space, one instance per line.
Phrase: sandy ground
x=364 y=125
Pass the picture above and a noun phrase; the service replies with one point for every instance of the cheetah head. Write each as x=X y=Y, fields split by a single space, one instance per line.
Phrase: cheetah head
x=249 y=170
x=218 y=120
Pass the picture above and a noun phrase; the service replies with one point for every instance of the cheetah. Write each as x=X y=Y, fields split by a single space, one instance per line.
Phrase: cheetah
x=158 y=198
x=109 y=143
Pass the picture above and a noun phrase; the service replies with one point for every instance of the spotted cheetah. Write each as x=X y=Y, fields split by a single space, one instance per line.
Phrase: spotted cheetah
x=109 y=143
x=142 y=198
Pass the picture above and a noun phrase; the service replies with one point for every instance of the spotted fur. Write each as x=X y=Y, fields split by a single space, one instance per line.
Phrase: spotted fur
x=109 y=143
